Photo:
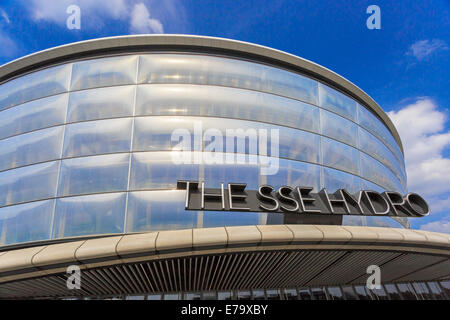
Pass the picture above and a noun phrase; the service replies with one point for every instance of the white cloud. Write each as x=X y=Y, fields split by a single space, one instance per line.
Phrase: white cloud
x=437 y=226
x=4 y=15
x=440 y=204
x=143 y=16
x=137 y=16
x=423 y=48
x=421 y=126
x=142 y=23
x=93 y=13
x=55 y=11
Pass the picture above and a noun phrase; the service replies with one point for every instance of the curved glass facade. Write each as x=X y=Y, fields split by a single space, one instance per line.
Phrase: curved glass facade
x=85 y=147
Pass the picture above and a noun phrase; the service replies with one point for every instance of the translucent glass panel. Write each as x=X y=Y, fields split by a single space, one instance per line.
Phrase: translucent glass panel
x=350 y=220
x=335 y=179
x=92 y=214
x=298 y=145
x=367 y=185
x=215 y=101
x=337 y=102
x=35 y=85
x=338 y=128
x=374 y=171
x=159 y=210
x=383 y=222
x=370 y=122
x=29 y=148
x=154 y=134
x=210 y=70
x=215 y=174
x=105 y=173
x=26 y=222
x=211 y=219
x=37 y=114
x=294 y=173
x=112 y=71
x=340 y=156
x=164 y=210
x=379 y=151
x=374 y=221
x=156 y=170
x=28 y=183
x=101 y=103
x=97 y=137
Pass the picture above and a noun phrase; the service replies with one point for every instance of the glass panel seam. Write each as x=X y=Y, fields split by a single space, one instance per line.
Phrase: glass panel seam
x=341 y=115
x=199 y=53
x=166 y=151
x=148 y=151
x=146 y=116
x=322 y=173
x=125 y=219
x=401 y=165
x=317 y=106
x=363 y=220
x=99 y=193
x=122 y=85
x=64 y=92
x=60 y=154
x=44 y=96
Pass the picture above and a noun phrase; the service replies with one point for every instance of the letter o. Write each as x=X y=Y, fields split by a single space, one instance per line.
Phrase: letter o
x=417 y=205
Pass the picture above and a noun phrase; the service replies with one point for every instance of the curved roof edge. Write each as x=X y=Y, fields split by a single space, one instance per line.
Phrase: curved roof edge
x=428 y=251
x=68 y=51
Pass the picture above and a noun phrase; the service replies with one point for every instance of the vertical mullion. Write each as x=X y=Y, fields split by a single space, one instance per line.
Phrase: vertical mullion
x=125 y=218
x=61 y=152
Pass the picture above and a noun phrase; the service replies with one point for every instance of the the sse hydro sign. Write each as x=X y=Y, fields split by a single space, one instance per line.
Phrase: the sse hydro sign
x=301 y=200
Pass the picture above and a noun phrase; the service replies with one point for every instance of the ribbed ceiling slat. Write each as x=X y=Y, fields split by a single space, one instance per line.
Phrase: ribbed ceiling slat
x=235 y=270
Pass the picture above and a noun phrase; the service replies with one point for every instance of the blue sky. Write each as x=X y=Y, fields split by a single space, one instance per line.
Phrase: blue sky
x=404 y=66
